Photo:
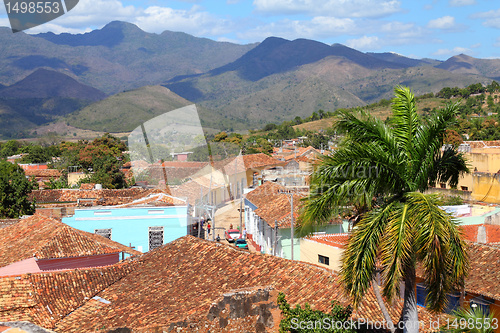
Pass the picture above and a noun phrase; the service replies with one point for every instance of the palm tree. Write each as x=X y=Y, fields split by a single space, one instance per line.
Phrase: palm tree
x=382 y=171
x=470 y=320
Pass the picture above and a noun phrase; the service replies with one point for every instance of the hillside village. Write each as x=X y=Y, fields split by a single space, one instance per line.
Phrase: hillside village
x=128 y=208
x=140 y=259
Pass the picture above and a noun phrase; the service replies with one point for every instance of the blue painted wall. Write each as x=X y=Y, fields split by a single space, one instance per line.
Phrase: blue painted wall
x=131 y=225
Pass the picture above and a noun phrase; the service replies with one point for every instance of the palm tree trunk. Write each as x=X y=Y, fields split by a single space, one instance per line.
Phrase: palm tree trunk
x=381 y=304
x=410 y=314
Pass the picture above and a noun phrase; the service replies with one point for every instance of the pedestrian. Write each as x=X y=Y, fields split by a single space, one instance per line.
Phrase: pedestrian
x=202 y=221
x=231 y=226
x=245 y=233
x=208 y=228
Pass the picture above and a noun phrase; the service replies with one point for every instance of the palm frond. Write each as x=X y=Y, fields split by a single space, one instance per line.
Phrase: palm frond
x=360 y=255
x=438 y=247
x=396 y=249
x=405 y=118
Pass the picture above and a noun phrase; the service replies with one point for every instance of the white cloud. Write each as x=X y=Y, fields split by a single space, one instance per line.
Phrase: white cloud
x=491 y=18
x=337 y=8
x=159 y=19
x=445 y=22
x=461 y=3
x=91 y=14
x=316 y=28
x=364 y=43
x=452 y=52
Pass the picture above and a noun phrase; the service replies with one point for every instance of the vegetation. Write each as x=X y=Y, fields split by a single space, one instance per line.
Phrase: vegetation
x=101 y=159
x=14 y=191
x=471 y=320
x=305 y=319
x=381 y=171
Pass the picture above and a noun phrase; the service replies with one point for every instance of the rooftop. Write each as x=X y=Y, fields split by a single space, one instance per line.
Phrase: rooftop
x=45 y=238
x=335 y=240
x=273 y=206
x=178 y=284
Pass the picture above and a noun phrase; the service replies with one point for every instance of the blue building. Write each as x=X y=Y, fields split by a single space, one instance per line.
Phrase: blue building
x=143 y=228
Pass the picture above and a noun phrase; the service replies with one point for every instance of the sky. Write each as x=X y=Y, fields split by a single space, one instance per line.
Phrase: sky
x=436 y=29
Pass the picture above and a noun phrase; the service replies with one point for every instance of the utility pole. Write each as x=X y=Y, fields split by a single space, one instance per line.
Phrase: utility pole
x=275 y=237
x=241 y=217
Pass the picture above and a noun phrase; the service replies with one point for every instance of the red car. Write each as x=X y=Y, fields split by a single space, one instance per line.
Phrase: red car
x=232 y=235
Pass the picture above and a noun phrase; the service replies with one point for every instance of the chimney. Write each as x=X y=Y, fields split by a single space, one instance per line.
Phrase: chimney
x=481 y=234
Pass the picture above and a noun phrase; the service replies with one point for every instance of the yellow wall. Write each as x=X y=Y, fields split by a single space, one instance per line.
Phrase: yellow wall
x=486 y=187
x=483 y=163
x=74 y=177
x=485 y=159
x=309 y=251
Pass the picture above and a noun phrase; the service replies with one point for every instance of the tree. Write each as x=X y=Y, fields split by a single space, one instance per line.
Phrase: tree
x=382 y=171
x=14 y=190
x=304 y=320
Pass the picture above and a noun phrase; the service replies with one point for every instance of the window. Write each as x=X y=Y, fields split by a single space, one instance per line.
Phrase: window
x=103 y=232
x=421 y=294
x=155 y=237
x=323 y=260
x=464 y=188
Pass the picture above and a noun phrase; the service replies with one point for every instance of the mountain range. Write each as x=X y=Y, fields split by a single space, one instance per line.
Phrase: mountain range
x=108 y=76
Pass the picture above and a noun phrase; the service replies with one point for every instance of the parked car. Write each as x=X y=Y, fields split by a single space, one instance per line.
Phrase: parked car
x=241 y=243
x=232 y=235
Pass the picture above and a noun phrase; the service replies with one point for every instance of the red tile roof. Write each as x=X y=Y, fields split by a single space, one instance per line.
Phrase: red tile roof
x=484 y=274
x=335 y=240
x=49 y=173
x=46 y=298
x=492 y=232
x=43 y=237
x=177 y=284
x=273 y=206
x=483 y=144
x=104 y=197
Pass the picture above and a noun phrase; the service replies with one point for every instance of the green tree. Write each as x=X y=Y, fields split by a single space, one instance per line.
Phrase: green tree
x=382 y=170
x=14 y=191
x=295 y=318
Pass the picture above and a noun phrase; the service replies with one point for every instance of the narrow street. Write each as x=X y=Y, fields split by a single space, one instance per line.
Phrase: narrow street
x=226 y=216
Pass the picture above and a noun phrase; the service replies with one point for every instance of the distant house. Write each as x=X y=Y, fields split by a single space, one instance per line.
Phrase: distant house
x=38 y=244
x=268 y=220
x=145 y=224
x=43 y=176
x=324 y=249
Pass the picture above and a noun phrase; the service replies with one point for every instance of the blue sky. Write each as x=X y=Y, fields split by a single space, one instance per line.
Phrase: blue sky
x=435 y=29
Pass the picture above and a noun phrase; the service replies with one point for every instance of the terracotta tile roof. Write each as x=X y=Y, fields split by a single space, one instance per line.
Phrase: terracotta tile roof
x=190 y=190
x=273 y=206
x=44 y=238
x=184 y=164
x=46 y=298
x=178 y=283
x=52 y=173
x=259 y=160
x=492 y=232
x=104 y=197
x=335 y=240
x=483 y=144
x=484 y=275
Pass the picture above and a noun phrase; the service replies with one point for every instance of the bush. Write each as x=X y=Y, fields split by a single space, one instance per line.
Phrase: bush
x=312 y=320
